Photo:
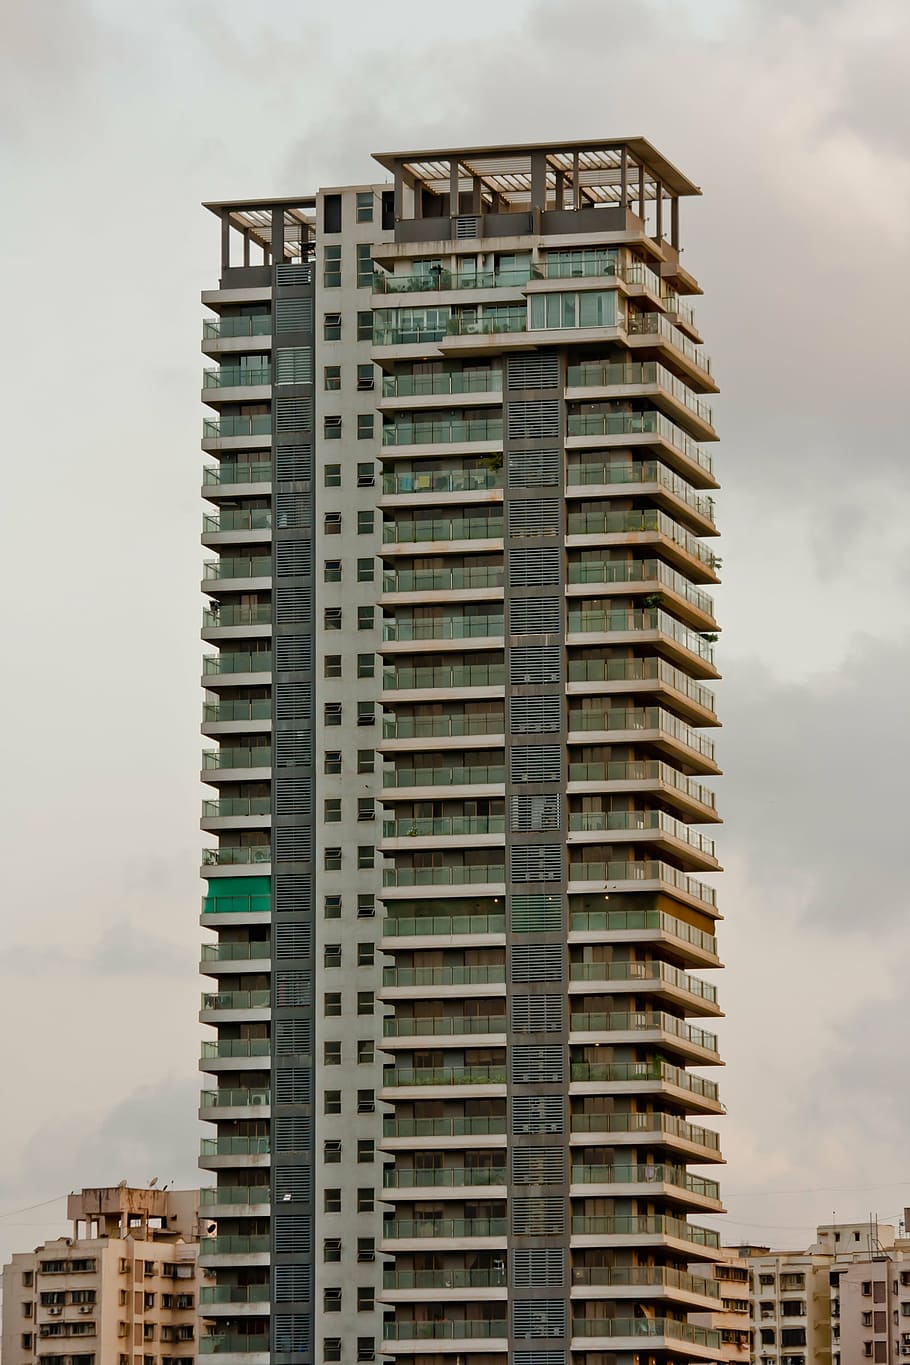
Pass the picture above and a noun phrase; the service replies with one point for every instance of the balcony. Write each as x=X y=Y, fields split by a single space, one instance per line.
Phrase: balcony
x=236 y=905
x=258 y=326
x=238 y=566
x=446 y=1329
x=443 y=580
x=246 y=661
x=487 y=323
x=605 y=374
x=404 y=1229
x=233 y=1293
x=647 y=870
x=661 y=1278
x=220 y=616
x=668 y=1125
x=443 y=1026
x=621 y=621
x=641 y=670
x=422 y=827
x=474 y=626
x=230 y=472
x=641 y=820
x=659 y=325
x=488 y=1074
x=418 y=530
x=242 y=710
x=642 y=921
x=441 y=481
x=482 y=974
x=237 y=807
x=237 y=519
x=642 y=974
x=437 y=279
x=643 y=720
x=632 y=1226
x=644 y=770
x=243 y=856
x=422 y=926
x=228 y=951
x=236 y=1000
x=477 y=1125
x=234 y=1097
x=602 y=474
x=252 y=756
x=642 y=1021
x=236 y=424
x=442 y=431
x=443 y=1177
x=430 y=678
x=651 y=521
x=646 y=1327
x=234 y=1146
x=234 y=1245
x=650 y=423
x=453 y=1277
x=436 y=385
x=234 y=1343
x=656 y=1070
x=459 y=874
x=492 y=774
x=640 y=571
x=233 y=1194
x=444 y=727
x=236 y=376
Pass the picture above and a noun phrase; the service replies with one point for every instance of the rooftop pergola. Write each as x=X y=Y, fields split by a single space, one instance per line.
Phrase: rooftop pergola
x=282 y=228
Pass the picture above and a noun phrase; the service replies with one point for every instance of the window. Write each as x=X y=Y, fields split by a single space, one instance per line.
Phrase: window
x=365 y=1057
x=331 y=666
x=366 y=570
x=366 y=1298
x=365 y=616
x=331 y=1248
x=331 y=1003
x=332 y=475
x=331 y=377
x=331 y=213
x=332 y=762
x=331 y=907
x=366 y=378
x=331 y=1151
x=331 y=571
x=331 y=1300
x=331 y=955
x=365 y=522
x=331 y=1102
x=364 y=205
x=332 y=713
x=331 y=812
x=366 y=760
x=366 y=713
x=866 y=1287
x=366 y=1250
x=366 y=905
x=365 y=951
x=331 y=327
x=331 y=1053
x=28 y=1309
x=366 y=1150
x=364 y=265
x=331 y=618
x=366 y=1200
x=366 y=1102
x=366 y=858
x=331 y=427
x=366 y=474
x=332 y=860
x=148 y=1300
x=331 y=1349
x=28 y=1279
x=366 y=808
x=25 y=1341
x=366 y=665
x=365 y=423
x=364 y=325
x=365 y=1002
x=331 y=267
x=331 y=523
x=366 y=1348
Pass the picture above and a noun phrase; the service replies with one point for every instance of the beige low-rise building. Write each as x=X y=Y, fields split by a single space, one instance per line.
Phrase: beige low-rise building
x=123 y=1289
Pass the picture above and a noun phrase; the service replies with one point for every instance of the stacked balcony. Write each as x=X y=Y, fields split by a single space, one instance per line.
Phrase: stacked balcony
x=236 y=815
x=472 y=1193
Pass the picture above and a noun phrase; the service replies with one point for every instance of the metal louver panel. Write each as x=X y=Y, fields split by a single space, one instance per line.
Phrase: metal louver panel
x=292 y=1232
x=538 y=1318
x=539 y=370
x=531 y=665
x=551 y=1358
x=292 y=414
x=536 y=863
x=291 y=1132
x=291 y=844
x=536 y=962
x=534 y=517
x=293 y=748
x=293 y=940
x=534 y=616
x=292 y=608
x=537 y=914
x=533 y=419
x=293 y=796
x=533 y=468
x=294 y=895
x=535 y=715
x=293 y=558
x=294 y=365
x=292 y=510
x=537 y=1065
x=538 y=1114
x=540 y=1166
x=292 y=989
x=293 y=652
x=292 y=1084
x=295 y=272
x=538 y=1013
x=538 y=1217
x=293 y=315
x=467 y=226
x=293 y=463
x=532 y=763
x=538 y=1266
x=292 y=1036
x=533 y=814
x=292 y=1330
x=294 y=700
x=291 y=1282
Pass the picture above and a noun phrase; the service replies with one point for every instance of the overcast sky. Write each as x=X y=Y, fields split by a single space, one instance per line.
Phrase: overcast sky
x=116 y=119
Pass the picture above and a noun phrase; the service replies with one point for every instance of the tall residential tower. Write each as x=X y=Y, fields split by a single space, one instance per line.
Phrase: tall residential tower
x=459 y=508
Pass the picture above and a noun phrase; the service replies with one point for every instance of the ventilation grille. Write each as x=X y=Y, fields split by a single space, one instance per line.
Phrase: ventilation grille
x=535 y=419
x=294 y=895
x=293 y=940
x=292 y=1085
x=293 y=463
x=532 y=814
x=538 y=1013
x=293 y=652
x=533 y=568
x=538 y=371
x=293 y=748
x=535 y=715
x=292 y=414
x=539 y=1266
x=534 y=517
x=533 y=763
x=530 y=665
x=552 y=1358
x=533 y=468
x=291 y=1330
x=291 y=1283
x=292 y=1233
x=467 y=226
x=536 y=962
x=291 y=1133
x=294 y=796
x=538 y=1217
x=537 y=914
x=293 y=1036
x=295 y=273
x=293 y=990
x=540 y=1166
x=294 y=700
x=538 y=1318
x=293 y=558
x=293 y=315
x=535 y=863
x=534 y=616
x=538 y=1114
x=292 y=844
x=537 y=1065
x=294 y=365
x=293 y=511
x=292 y=607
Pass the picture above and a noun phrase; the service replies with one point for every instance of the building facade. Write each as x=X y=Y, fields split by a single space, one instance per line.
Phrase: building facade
x=461 y=504
x=124 y=1289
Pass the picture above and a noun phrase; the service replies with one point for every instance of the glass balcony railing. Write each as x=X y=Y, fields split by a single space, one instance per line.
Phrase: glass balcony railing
x=646 y=870
x=592 y=820
x=602 y=570
x=232 y=1098
x=236 y=376
x=644 y=718
x=404 y=1229
x=260 y=904
x=247 y=756
x=401 y=926
x=677 y=308
x=607 y=523
x=485 y=973
x=257 y=326
x=655 y=1070
x=233 y=1343
x=443 y=676
x=488 y=1074
x=603 y=374
x=477 y=626
x=444 y=1177
x=658 y=324
x=437 y=727
x=644 y=972
x=612 y=423
x=238 y=806
x=234 y=1293
x=643 y=1327
x=448 y=1126
x=640 y=1175
x=443 y=1026
x=237 y=519
x=236 y=1000
x=239 y=566
x=244 y=661
x=234 y=1146
x=624 y=621
x=234 y=1194
x=604 y=474
x=415 y=529
x=652 y=1276
x=574 y=265
x=244 y=856
x=453 y=1277
x=623 y=921
x=488 y=323
x=443 y=580
x=237 y=614
x=436 y=278
x=244 y=708
x=442 y=481
x=668 y=1124
x=423 y=827
x=641 y=770
x=236 y=424
x=445 y=1329
x=643 y=1021
x=444 y=777
x=462 y=874
x=233 y=1245
x=234 y=471
x=442 y=431
x=451 y=381
x=619 y=670
x=227 y=951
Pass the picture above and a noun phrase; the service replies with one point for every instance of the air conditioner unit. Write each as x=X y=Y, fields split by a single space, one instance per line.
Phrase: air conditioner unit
x=55 y=1312
x=259 y=1099
x=86 y=1308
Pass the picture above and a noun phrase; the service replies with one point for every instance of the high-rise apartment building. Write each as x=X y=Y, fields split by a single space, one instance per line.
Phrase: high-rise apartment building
x=460 y=508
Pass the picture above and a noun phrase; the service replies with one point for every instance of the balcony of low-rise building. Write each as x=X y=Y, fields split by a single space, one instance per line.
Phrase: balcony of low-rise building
x=597 y=671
